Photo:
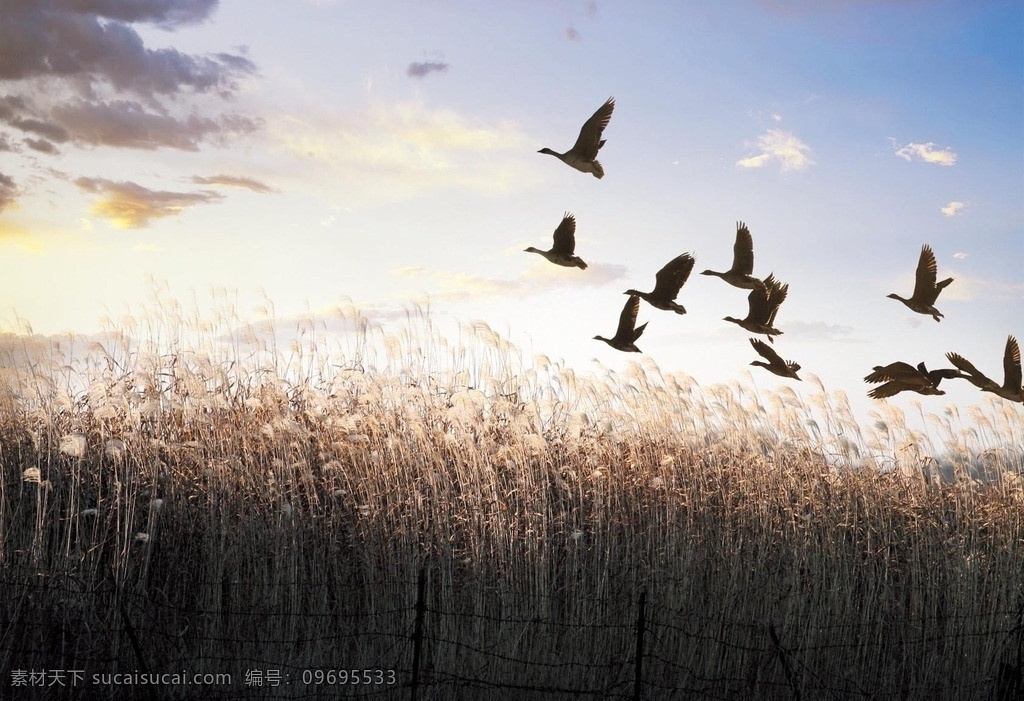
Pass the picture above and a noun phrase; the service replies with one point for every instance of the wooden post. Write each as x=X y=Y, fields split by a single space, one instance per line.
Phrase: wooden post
x=417 y=636
x=638 y=670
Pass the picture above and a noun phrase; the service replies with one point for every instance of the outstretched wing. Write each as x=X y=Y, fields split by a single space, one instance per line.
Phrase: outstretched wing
x=903 y=372
x=757 y=301
x=627 y=320
x=743 y=251
x=962 y=363
x=589 y=140
x=776 y=296
x=924 y=287
x=1011 y=365
x=889 y=389
x=565 y=235
x=671 y=278
x=767 y=352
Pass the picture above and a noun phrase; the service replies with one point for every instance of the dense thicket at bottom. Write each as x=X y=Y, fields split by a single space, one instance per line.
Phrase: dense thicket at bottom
x=211 y=525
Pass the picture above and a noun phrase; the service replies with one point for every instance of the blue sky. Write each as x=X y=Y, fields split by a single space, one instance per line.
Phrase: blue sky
x=385 y=153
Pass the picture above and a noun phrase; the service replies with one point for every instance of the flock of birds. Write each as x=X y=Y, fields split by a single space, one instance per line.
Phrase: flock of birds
x=766 y=295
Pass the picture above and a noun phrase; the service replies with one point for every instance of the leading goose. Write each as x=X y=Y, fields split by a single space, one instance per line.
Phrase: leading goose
x=583 y=154
x=1011 y=388
x=667 y=283
x=926 y=290
x=563 y=245
x=626 y=335
x=741 y=273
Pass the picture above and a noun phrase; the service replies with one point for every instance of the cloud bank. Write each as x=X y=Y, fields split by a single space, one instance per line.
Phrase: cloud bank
x=76 y=73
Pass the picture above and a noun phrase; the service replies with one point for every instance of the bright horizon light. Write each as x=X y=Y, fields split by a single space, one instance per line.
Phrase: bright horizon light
x=385 y=156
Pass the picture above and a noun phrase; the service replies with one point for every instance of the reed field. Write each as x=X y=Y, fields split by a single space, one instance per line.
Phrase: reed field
x=182 y=493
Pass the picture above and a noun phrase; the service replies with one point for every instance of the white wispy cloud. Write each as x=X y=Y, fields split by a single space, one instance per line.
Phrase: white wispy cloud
x=391 y=150
x=782 y=147
x=928 y=153
x=954 y=208
x=538 y=278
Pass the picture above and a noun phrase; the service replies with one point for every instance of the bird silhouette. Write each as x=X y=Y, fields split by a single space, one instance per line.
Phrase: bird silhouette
x=775 y=364
x=563 y=246
x=900 y=377
x=626 y=335
x=763 y=304
x=667 y=283
x=583 y=154
x=741 y=273
x=1011 y=388
x=926 y=290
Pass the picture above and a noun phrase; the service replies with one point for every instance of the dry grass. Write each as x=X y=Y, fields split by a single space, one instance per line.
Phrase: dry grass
x=243 y=502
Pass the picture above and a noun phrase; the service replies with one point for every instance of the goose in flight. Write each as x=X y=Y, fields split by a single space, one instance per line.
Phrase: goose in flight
x=626 y=335
x=926 y=290
x=900 y=377
x=564 y=245
x=667 y=283
x=741 y=273
x=775 y=364
x=583 y=154
x=1011 y=388
x=763 y=304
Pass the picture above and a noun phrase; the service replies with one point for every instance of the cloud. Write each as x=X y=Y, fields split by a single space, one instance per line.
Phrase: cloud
x=421 y=70
x=8 y=191
x=780 y=147
x=953 y=208
x=129 y=124
x=960 y=255
x=538 y=278
x=89 y=42
x=927 y=153
x=41 y=145
x=128 y=205
x=233 y=181
x=391 y=150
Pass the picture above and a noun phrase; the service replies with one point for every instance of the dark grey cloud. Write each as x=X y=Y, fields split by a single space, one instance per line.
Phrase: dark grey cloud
x=8 y=191
x=163 y=13
x=128 y=205
x=47 y=130
x=42 y=146
x=90 y=42
x=425 y=68
x=129 y=124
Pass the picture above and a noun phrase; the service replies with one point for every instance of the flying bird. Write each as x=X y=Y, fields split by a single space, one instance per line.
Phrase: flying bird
x=626 y=335
x=1011 y=388
x=926 y=290
x=667 y=283
x=775 y=364
x=582 y=156
x=741 y=273
x=900 y=377
x=563 y=246
x=763 y=304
